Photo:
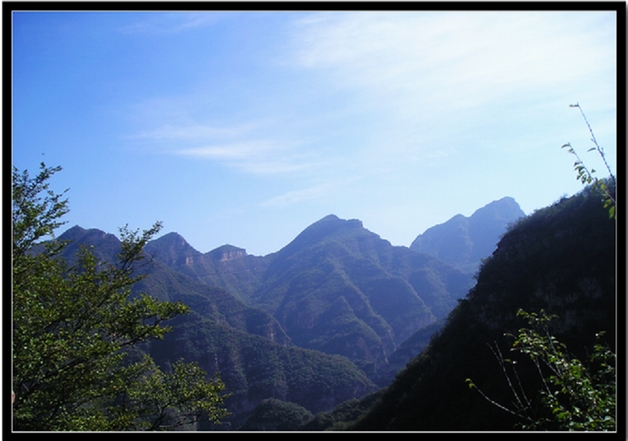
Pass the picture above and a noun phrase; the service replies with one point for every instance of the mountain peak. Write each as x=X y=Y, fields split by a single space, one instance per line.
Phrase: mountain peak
x=505 y=208
x=463 y=241
x=329 y=225
x=227 y=252
x=171 y=247
x=329 y=218
x=332 y=219
x=80 y=234
x=172 y=240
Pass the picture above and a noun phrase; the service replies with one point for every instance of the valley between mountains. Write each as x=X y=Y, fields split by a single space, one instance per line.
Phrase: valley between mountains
x=331 y=317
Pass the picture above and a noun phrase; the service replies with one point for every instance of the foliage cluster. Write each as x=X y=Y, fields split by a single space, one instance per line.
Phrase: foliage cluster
x=342 y=415
x=74 y=327
x=574 y=395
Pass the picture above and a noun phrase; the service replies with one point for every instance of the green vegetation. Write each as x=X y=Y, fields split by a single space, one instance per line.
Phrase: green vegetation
x=76 y=328
x=573 y=397
x=341 y=289
x=560 y=259
x=255 y=368
x=276 y=415
x=245 y=344
x=342 y=415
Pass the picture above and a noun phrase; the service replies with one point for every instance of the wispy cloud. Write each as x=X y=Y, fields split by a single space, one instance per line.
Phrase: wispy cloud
x=232 y=151
x=297 y=196
x=245 y=146
x=432 y=75
x=470 y=54
x=196 y=132
x=171 y=23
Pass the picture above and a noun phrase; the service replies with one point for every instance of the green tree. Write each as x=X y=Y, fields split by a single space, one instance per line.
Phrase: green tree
x=75 y=331
x=573 y=396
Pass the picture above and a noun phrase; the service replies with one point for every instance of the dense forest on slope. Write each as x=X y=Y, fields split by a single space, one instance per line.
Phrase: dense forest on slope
x=341 y=289
x=318 y=323
x=245 y=345
x=560 y=259
x=276 y=415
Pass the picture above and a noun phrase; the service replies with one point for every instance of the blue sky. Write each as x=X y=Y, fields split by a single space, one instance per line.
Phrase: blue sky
x=244 y=128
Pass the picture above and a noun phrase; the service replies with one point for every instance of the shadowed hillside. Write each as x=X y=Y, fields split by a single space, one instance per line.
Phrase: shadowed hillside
x=561 y=259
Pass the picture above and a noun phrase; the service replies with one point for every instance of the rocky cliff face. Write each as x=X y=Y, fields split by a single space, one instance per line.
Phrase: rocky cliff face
x=226 y=253
x=227 y=267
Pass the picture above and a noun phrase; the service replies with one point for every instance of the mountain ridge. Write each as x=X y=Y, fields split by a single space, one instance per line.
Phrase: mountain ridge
x=336 y=289
x=241 y=342
x=464 y=241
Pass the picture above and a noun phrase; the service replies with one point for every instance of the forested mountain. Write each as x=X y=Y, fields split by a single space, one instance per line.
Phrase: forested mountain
x=341 y=289
x=227 y=267
x=560 y=259
x=246 y=345
x=464 y=241
x=326 y=320
x=337 y=288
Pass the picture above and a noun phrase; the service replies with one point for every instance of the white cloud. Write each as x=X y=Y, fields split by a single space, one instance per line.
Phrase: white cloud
x=253 y=147
x=436 y=76
x=296 y=196
x=232 y=146
x=236 y=151
x=257 y=157
x=446 y=55
x=189 y=132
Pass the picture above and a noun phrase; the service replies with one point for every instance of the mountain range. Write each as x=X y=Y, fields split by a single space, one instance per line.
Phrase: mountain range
x=330 y=317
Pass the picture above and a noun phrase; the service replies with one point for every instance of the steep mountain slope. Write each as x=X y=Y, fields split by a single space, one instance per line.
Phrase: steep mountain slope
x=254 y=368
x=167 y=285
x=245 y=344
x=341 y=289
x=561 y=259
x=227 y=267
x=464 y=241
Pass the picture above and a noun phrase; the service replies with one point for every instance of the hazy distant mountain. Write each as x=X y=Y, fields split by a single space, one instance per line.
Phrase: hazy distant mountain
x=464 y=241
